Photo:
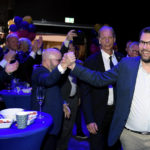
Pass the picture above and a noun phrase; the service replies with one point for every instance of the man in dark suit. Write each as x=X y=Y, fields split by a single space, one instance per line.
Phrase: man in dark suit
x=47 y=76
x=70 y=93
x=98 y=103
x=6 y=74
x=9 y=69
x=130 y=121
x=25 y=63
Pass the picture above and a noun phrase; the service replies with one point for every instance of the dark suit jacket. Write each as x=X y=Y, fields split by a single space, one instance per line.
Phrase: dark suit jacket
x=4 y=76
x=94 y=99
x=53 y=99
x=26 y=63
x=65 y=83
x=126 y=69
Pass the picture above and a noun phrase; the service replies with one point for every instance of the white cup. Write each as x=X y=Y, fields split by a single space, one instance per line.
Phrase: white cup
x=22 y=118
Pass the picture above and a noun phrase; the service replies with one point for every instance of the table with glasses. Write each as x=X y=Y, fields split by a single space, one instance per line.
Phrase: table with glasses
x=30 y=138
x=14 y=99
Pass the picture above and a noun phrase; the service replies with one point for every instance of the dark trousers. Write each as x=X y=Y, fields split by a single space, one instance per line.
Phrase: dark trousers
x=49 y=142
x=99 y=141
x=67 y=126
x=79 y=121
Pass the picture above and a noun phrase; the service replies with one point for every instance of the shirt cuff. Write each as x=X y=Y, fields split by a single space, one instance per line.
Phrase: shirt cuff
x=3 y=63
x=39 y=52
x=66 y=43
x=60 y=69
x=64 y=102
x=32 y=54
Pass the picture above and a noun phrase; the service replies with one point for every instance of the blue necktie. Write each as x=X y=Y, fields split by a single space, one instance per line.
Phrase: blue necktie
x=111 y=63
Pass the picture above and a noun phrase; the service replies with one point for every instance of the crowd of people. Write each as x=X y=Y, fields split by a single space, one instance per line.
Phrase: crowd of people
x=110 y=89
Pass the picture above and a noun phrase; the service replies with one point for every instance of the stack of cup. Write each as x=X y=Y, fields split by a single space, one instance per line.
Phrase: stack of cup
x=22 y=118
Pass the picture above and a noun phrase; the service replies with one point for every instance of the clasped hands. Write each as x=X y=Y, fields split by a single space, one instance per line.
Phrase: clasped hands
x=68 y=60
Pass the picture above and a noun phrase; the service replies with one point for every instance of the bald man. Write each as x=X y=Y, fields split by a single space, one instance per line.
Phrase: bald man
x=47 y=76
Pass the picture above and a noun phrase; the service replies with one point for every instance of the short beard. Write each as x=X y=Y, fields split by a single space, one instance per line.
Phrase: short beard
x=145 y=60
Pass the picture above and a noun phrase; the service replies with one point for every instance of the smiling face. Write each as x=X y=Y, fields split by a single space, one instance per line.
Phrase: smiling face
x=144 y=47
x=133 y=49
x=12 y=43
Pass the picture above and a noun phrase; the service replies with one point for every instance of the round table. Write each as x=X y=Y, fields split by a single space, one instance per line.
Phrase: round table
x=29 y=138
x=16 y=100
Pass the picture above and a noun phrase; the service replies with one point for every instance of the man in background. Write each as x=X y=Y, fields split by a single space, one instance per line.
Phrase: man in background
x=99 y=103
x=48 y=76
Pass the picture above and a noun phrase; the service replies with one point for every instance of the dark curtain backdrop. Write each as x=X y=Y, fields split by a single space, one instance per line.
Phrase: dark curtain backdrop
x=125 y=17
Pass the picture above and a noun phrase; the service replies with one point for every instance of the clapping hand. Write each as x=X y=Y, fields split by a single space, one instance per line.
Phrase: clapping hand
x=37 y=44
x=70 y=57
x=11 y=67
x=10 y=56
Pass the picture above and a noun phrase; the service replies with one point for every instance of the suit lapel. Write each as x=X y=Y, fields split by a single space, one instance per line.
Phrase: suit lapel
x=99 y=62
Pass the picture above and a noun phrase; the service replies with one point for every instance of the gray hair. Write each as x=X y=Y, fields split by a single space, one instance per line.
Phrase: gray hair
x=27 y=42
x=12 y=35
x=106 y=27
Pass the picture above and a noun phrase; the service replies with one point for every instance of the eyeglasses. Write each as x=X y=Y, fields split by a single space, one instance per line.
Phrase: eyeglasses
x=144 y=43
x=134 y=51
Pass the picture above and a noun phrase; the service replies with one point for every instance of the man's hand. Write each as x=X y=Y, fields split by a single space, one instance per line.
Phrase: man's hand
x=92 y=128
x=40 y=42
x=37 y=44
x=66 y=110
x=10 y=56
x=68 y=60
x=11 y=67
x=70 y=35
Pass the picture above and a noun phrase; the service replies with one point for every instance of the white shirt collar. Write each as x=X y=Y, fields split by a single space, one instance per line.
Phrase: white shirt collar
x=106 y=55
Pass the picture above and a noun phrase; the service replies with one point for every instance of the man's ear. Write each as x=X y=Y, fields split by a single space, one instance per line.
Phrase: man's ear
x=99 y=40
x=6 y=43
x=114 y=39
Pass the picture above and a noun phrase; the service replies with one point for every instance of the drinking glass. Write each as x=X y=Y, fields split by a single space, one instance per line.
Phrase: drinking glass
x=40 y=98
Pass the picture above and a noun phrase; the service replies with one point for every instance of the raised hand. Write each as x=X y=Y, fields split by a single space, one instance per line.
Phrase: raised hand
x=40 y=42
x=37 y=44
x=11 y=67
x=68 y=59
x=10 y=56
x=70 y=35
x=35 y=47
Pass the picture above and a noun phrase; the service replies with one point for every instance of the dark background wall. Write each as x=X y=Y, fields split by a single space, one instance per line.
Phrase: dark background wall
x=126 y=17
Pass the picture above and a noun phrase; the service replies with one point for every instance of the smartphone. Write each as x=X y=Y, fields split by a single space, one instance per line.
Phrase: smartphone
x=79 y=39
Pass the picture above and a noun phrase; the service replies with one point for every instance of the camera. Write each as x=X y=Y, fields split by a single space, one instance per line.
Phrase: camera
x=79 y=39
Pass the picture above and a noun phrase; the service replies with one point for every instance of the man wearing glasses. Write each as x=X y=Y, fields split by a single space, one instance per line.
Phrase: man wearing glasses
x=131 y=119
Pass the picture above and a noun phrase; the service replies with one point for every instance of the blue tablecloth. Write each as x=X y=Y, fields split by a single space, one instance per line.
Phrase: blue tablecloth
x=29 y=138
x=15 y=100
